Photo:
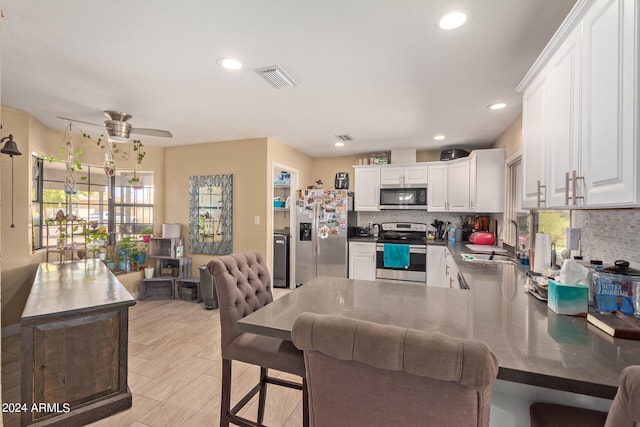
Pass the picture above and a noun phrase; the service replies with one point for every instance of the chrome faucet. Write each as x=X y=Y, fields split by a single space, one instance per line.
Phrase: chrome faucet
x=515 y=249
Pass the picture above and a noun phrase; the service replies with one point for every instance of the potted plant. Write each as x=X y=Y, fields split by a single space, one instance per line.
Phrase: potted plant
x=145 y=233
x=125 y=248
x=139 y=254
x=96 y=238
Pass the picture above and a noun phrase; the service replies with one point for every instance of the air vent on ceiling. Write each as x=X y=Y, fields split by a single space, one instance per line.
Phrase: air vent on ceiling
x=345 y=137
x=276 y=76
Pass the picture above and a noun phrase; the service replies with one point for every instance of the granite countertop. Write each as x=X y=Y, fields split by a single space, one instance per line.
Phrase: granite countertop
x=533 y=344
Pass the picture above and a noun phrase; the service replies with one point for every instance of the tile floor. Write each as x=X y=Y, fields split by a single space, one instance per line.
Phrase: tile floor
x=174 y=371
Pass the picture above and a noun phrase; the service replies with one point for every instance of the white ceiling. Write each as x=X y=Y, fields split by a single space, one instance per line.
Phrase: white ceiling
x=379 y=70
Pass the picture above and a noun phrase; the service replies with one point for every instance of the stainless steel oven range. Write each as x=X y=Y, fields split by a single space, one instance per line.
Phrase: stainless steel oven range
x=401 y=252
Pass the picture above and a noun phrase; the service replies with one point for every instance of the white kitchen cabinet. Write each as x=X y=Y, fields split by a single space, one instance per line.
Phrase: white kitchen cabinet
x=448 y=189
x=580 y=109
x=562 y=142
x=436 y=266
x=534 y=115
x=403 y=175
x=451 y=270
x=486 y=180
x=362 y=260
x=367 y=188
x=458 y=186
x=437 y=195
x=609 y=105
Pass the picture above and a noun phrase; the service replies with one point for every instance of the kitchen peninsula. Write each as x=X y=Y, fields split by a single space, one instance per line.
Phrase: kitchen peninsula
x=534 y=345
x=74 y=345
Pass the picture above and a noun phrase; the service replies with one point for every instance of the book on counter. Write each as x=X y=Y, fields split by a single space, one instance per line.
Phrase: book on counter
x=616 y=324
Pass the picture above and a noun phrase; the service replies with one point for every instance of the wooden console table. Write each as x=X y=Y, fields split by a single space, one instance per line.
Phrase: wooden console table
x=74 y=345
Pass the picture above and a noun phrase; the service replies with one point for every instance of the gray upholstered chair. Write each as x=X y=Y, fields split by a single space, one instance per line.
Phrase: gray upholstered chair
x=243 y=286
x=624 y=411
x=366 y=374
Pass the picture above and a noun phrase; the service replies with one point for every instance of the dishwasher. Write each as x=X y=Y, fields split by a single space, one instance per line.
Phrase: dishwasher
x=281 y=259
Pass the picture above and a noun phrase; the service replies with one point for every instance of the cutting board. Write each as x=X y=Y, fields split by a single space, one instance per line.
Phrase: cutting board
x=486 y=249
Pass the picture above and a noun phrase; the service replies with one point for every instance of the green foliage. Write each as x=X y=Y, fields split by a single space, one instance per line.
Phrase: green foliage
x=555 y=224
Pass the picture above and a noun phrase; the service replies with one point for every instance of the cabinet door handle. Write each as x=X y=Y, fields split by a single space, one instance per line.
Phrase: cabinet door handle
x=540 y=199
x=566 y=188
x=574 y=178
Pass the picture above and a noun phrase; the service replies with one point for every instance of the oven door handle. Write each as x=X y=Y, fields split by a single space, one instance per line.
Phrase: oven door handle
x=413 y=249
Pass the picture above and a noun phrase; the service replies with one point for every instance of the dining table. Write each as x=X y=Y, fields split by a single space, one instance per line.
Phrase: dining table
x=532 y=343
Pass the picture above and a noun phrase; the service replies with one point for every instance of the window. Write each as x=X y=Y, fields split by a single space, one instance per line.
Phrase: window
x=552 y=222
x=36 y=202
x=514 y=202
x=124 y=214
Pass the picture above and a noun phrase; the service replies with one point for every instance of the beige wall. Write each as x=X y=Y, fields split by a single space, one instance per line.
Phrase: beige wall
x=511 y=139
x=18 y=263
x=246 y=160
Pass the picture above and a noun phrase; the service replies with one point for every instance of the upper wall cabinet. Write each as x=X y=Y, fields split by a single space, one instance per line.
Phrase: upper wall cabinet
x=486 y=180
x=448 y=189
x=367 y=188
x=580 y=108
x=403 y=175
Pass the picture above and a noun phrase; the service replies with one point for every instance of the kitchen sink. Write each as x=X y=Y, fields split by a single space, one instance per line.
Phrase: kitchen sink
x=488 y=259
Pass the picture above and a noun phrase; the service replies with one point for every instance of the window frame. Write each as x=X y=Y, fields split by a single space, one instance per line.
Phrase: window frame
x=112 y=206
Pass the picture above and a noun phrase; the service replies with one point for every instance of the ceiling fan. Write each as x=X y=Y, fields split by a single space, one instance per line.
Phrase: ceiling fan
x=118 y=128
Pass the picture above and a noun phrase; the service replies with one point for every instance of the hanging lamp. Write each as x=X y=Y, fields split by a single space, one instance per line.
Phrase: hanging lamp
x=10 y=148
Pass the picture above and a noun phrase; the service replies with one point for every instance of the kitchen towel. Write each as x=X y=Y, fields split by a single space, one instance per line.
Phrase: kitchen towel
x=396 y=256
x=542 y=260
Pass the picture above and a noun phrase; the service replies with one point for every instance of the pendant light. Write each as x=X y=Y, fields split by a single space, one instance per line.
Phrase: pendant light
x=10 y=148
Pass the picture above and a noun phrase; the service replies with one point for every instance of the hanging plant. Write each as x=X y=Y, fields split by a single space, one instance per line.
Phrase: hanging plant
x=102 y=142
x=73 y=164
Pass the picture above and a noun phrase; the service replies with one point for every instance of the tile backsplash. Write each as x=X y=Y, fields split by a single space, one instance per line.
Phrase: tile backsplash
x=610 y=234
x=420 y=216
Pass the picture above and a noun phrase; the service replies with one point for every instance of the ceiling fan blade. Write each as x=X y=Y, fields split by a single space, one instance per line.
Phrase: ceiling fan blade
x=152 y=132
x=80 y=121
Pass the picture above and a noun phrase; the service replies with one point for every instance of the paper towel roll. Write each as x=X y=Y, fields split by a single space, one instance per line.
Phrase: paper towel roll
x=542 y=259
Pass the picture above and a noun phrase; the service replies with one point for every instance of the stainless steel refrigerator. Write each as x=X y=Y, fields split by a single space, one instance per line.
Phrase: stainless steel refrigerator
x=323 y=218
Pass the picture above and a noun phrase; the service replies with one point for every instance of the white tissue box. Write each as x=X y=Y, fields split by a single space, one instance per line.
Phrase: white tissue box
x=567 y=299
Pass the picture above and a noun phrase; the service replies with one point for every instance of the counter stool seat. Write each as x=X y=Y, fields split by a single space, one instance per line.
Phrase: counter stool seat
x=551 y=414
x=624 y=411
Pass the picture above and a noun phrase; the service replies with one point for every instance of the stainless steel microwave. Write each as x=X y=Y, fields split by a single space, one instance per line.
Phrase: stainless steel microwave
x=392 y=197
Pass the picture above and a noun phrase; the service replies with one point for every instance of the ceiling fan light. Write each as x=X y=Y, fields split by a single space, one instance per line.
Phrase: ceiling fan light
x=118 y=131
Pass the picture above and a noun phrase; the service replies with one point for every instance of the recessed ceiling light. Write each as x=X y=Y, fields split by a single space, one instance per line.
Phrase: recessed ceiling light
x=230 y=63
x=453 y=20
x=339 y=144
x=438 y=137
x=497 y=106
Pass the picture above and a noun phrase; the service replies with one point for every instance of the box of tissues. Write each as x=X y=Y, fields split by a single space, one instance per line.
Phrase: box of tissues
x=567 y=299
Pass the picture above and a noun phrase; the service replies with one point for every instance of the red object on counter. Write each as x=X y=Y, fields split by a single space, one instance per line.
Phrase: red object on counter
x=482 y=238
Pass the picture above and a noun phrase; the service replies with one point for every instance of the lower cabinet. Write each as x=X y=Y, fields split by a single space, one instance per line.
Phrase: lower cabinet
x=362 y=260
x=451 y=270
x=436 y=266
x=442 y=270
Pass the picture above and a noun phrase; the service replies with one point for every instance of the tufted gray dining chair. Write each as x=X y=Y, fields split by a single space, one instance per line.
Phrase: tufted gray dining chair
x=243 y=286
x=624 y=411
x=366 y=374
